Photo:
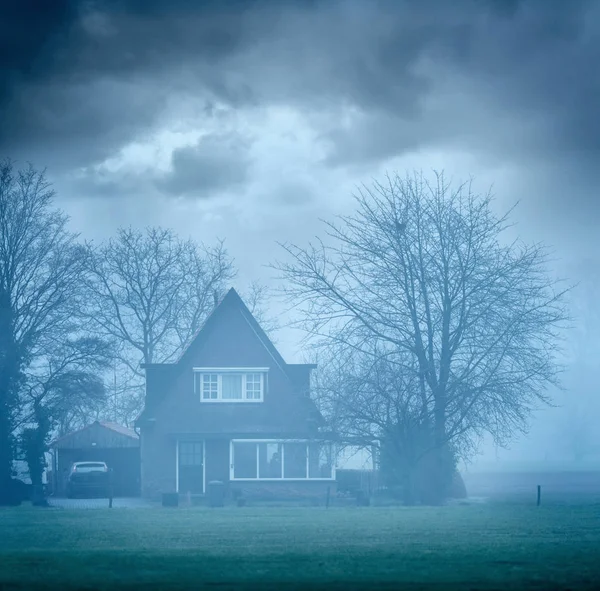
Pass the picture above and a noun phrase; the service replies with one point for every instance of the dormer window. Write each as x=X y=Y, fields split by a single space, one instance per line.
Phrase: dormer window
x=230 y=384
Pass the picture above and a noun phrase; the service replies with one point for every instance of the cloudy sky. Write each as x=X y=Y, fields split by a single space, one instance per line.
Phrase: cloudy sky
x=250 y=120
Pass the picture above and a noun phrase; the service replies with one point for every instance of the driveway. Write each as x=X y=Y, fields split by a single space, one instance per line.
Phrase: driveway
x=118 y=503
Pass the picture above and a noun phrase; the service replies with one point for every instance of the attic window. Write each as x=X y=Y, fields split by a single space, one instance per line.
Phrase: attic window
x=230 y=385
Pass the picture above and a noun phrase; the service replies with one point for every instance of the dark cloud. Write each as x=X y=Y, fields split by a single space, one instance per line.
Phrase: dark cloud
x=514 y=78
x=29 y=30
x=89 y=76
x=70 y=126
x=214 y=164
x=530 y=64
x=541 y=61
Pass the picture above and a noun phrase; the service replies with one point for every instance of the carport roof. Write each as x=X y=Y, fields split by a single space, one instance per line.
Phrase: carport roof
x=115 y=427
x=119 y=429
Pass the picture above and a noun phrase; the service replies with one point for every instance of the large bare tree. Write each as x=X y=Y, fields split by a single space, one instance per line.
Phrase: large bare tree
x=423 y=277
x=41 y=267
x=149 y=291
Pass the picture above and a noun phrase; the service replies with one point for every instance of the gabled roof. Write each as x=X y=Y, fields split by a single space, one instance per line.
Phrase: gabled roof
x=231 y=298
x=119 y=429
x=193 y=339
x=122 y=430
x=203 y=324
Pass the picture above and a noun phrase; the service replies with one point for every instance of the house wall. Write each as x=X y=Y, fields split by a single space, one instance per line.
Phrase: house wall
x=158 y=453
x=158 y=379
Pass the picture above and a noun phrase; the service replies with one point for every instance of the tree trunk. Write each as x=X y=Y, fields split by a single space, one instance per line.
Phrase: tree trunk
x=439 y=481
x=34 y=442
x=7 y=397
x=36 y=468
x=36 y=465
x=9 y=374
x=6 y=454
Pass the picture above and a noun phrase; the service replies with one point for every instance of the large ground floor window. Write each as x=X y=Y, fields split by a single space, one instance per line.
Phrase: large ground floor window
x=285 y=460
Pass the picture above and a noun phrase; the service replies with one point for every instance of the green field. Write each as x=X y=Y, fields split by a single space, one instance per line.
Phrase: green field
x=461 y=547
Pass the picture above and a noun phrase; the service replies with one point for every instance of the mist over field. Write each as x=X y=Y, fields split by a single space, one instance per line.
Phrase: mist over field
x=292 y=277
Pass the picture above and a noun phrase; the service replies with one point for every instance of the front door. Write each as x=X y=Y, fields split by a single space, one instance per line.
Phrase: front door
x=191 y=467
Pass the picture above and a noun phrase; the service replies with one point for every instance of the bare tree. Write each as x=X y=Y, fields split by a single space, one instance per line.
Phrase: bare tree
x=256 y=297
x=41 y=267
x=149 y=292
x=422 y=272
x=372 y=401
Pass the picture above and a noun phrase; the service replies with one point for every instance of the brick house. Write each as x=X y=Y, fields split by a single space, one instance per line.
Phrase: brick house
x=231 y=409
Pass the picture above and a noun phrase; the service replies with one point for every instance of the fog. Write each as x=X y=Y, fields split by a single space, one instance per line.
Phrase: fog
x=256 y=123
x=267 y=124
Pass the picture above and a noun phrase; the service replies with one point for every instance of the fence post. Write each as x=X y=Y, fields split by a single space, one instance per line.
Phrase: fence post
x=327 y=497
x=539 y=495
x=110 y=488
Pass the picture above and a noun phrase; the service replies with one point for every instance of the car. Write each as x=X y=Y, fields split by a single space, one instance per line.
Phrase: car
x=88 y=477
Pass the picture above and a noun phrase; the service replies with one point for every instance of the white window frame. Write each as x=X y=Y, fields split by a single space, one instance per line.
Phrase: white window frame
x=283 y=442
x=219 y=371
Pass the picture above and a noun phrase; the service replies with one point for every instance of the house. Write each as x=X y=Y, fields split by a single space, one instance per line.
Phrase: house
x=230 y=409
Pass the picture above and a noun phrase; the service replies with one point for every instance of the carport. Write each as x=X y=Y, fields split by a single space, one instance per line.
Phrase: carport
x=101 y=441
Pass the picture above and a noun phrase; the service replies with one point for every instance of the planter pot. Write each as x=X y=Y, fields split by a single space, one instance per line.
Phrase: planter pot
x=170 y=499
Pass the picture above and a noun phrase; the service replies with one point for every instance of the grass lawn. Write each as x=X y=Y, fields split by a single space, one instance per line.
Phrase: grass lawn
x=458 y=547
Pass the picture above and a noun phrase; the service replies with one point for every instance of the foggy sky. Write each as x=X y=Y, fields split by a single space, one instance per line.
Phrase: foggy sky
x=249 y=120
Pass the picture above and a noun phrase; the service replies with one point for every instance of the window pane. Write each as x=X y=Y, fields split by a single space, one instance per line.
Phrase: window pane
x=319 y=460
x=253 y=386
x=244 y=460
x=231 y=384
x=294 y=460
x=269 y=460
x=210 y=386
x=190 y=453
x=209 y=379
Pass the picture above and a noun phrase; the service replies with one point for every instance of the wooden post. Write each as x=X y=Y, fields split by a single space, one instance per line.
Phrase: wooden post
x=327 y=497
x=539 y=495
x=110 y=488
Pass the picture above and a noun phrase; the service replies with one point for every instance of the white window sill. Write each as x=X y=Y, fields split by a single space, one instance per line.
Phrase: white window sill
x=282 y=479
x=233 y=400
